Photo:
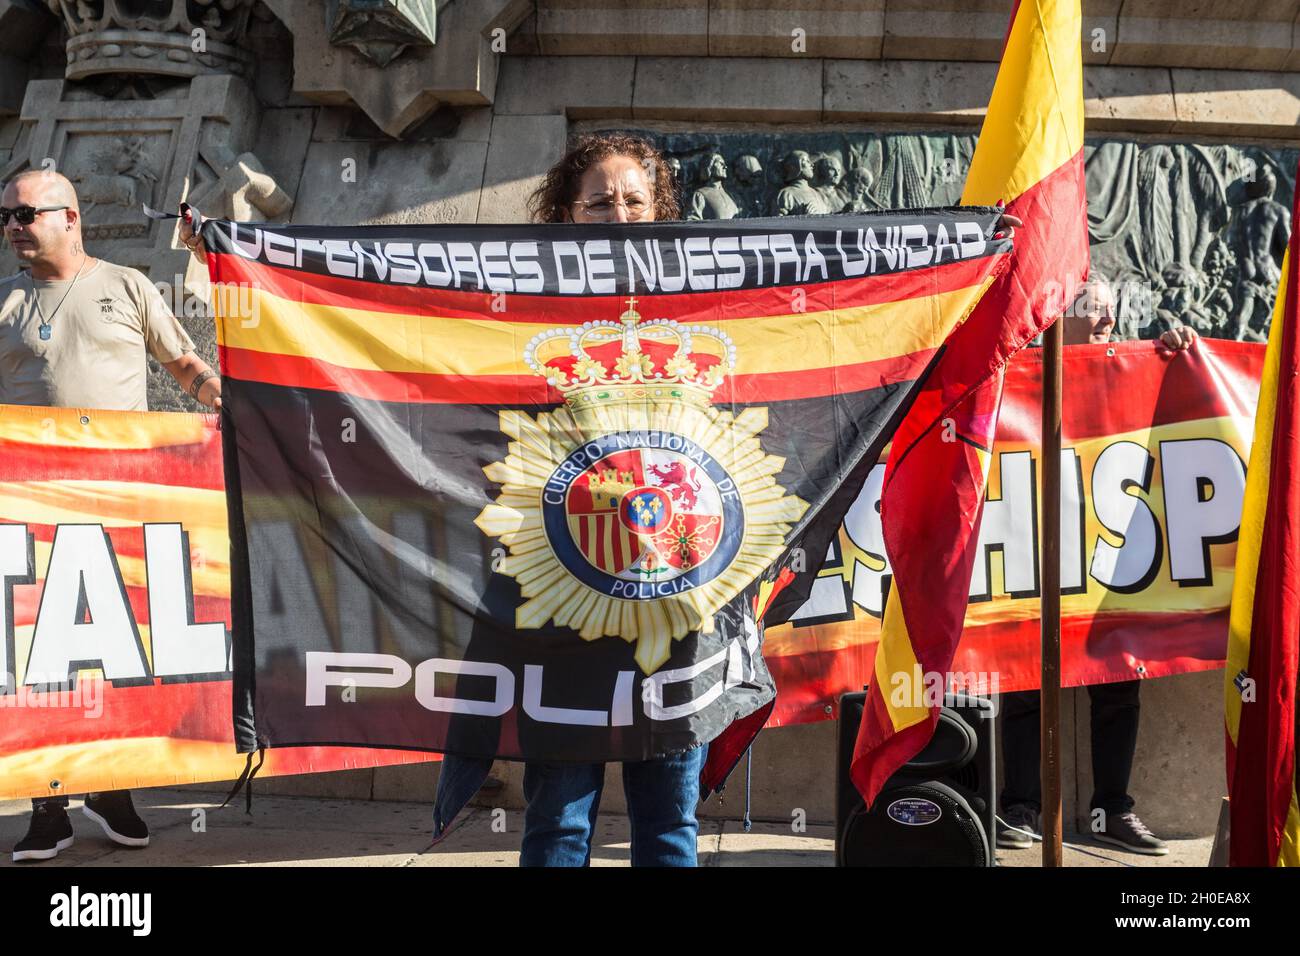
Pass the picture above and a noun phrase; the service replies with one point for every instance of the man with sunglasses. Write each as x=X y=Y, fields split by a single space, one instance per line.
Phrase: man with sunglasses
x=74 y=332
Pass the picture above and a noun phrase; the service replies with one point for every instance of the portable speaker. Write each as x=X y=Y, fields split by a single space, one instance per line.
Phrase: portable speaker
x=938 y=809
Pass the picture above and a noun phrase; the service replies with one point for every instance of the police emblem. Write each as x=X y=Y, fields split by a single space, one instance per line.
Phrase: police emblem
x=638 y=509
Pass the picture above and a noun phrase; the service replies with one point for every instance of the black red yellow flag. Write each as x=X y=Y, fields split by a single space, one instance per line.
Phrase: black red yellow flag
x=531 y=491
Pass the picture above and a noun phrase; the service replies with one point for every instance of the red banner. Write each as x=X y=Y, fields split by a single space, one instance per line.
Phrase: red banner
x=115 y=618
x=1153 y=474
x=113 y=561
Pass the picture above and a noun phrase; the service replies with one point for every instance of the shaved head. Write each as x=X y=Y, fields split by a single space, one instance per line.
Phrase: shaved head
x=42 y=187
x=50 y=245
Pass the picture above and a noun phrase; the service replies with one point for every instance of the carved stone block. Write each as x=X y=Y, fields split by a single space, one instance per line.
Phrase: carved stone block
x=754 y=89
x=383 y=182
x=618 y=28
x=1237 y=103
x=521 y=150
x=125 y=153
x=175 y=38
x=945 y=29
x=1100 y=30
x=899 y=90
x=576 y=86
x=853 y=29
x=1128 y=98
x=381 y=29
x=1252 y=34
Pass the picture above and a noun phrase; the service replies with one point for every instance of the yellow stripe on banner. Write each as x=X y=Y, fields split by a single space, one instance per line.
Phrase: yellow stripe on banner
x=119 y=764
x=1254 y=508
x=111 y=503
x=1034 y=123
x=898 y=674
x=397 y=342
x=38 y=425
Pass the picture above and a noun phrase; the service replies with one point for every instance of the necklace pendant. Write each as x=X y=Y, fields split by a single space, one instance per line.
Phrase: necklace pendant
x=45 y=332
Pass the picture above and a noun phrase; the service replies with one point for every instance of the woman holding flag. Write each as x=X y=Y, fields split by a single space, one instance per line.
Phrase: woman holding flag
x=604 y=178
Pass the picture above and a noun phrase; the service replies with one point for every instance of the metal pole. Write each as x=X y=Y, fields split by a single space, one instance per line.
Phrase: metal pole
x=1050 y=565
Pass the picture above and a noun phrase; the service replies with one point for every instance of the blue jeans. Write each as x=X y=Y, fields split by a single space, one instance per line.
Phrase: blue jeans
x=661 y=798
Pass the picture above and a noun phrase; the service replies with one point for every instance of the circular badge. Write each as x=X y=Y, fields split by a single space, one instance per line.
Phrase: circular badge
x=646 y=510
x=914 y=811
x=642 y=515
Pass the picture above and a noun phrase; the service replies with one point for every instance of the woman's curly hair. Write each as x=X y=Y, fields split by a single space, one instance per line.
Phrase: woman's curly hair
x=560 y=187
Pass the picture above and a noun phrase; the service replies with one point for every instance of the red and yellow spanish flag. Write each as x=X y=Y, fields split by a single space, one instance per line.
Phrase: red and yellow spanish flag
x=1030 y=155
x=1264 y=629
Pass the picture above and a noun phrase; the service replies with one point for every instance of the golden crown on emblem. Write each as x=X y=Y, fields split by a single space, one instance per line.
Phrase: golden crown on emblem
x=604 y=361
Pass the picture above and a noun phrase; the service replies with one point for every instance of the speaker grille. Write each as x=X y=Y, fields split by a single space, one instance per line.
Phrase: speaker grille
x=955 y=773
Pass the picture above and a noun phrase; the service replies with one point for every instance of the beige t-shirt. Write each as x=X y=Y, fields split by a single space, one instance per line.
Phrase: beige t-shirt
x=92 y=354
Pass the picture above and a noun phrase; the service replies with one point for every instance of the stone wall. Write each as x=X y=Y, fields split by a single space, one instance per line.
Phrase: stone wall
x=313 y=111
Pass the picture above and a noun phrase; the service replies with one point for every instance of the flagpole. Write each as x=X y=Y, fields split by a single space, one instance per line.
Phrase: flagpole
x=1050 y=565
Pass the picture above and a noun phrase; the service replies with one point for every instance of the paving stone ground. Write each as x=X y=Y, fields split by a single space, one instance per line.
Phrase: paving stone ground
x=188 y=829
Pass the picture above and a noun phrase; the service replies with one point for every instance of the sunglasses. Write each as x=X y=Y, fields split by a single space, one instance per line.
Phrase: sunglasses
x=26 y=215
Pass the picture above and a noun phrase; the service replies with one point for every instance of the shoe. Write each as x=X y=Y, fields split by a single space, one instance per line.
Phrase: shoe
x=1127 y=831
x=116 y=814
x=1018 y=829
x=49 y=832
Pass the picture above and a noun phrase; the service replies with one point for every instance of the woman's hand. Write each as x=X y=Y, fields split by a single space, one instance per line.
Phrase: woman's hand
x=1006 y=225
x=191 y=223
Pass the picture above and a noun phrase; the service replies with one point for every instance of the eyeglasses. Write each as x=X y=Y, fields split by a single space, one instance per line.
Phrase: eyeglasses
x=26 y=215
x=602 y=209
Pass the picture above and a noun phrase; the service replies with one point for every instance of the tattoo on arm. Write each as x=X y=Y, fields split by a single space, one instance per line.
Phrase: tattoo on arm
x=198 y=381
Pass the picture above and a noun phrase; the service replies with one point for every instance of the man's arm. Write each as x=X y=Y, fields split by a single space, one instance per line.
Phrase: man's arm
x=197 y=378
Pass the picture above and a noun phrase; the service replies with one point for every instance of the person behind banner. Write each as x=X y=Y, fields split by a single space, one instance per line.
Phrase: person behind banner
x=75 y=332
x=610 y=178
x=604 y=178
x=1114 y=706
